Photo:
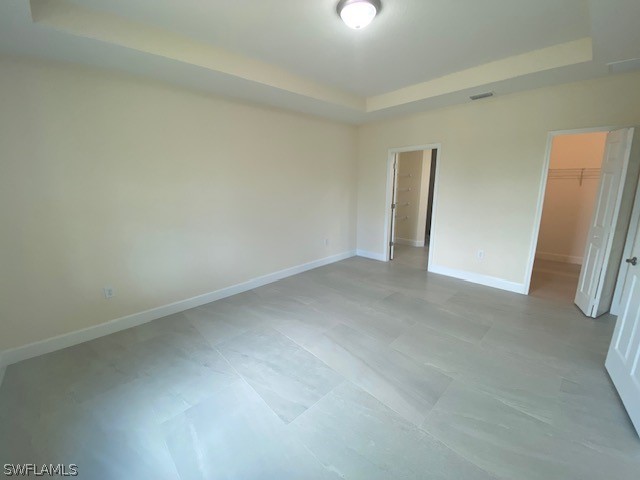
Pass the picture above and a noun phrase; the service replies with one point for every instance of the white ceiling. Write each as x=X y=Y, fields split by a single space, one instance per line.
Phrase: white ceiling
x=297 y=54
x=410 y=41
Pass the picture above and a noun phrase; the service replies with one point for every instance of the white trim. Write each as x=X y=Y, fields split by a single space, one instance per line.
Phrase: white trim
x=411 y=243
x=480 y=279
x=559 y=257
x=59 y=342
x=393 y=224
x=381 y=257
x=387 y=207
x=386 y=235
x=541 y=191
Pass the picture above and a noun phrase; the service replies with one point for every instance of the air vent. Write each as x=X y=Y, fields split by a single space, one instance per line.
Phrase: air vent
x=624 y=66
x=481 y=95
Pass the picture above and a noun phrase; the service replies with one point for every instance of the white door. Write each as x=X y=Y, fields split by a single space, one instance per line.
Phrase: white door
x=394 y=210
x=623 y=359
x=605 y=215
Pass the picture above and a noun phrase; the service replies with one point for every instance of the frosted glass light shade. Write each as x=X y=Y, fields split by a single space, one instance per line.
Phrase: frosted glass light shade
x=358 y=14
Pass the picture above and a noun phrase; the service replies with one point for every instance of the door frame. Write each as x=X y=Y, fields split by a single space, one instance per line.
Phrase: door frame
x=392 y=152
x=542 y=190
x=393 y=222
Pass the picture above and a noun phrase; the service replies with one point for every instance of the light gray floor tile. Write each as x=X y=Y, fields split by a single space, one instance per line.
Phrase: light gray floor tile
x=287 y=377
x=301 y=323
x=176 y=361
x=593 y=333
x=356 y=290
x=235 y=435
x=368 y=319
x=528 y=387
x=511 y=444
x=403 y=385
x=301 y=288
x=446 y=379
x=580 y=415
x=414 y=310
x=226 y=317
x=214 y=328
x=75 y=373
x=359 y=437
x=122 y=454
x=543 y=348
x=72 y=434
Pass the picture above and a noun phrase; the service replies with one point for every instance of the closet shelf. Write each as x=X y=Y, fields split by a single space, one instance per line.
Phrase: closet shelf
x=579 y=174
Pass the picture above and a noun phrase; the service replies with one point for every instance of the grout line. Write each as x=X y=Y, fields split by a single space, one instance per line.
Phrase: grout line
x=242 y=379
x=428 y=415
x=285 y=423
x=340 y=383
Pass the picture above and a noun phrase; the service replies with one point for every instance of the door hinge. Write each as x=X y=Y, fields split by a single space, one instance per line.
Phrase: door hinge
x=391 y=244
x=393 y=205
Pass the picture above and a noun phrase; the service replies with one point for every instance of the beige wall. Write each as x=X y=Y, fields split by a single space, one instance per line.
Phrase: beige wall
x=490 y=169
x=166 y=194
x=568 y=203
x=583 y=150
x=161 y=193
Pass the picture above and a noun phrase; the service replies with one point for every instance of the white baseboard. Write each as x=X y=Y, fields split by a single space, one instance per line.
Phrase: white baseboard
x=59 y=342
x=411 y=243
x=556 y=257
x=480 y=279
x=372 y=255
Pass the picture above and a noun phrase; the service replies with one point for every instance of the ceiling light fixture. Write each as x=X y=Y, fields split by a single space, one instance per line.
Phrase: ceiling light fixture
x=358 y=14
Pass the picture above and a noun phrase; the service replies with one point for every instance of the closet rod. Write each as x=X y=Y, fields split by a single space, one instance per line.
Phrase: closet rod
x=579 y=174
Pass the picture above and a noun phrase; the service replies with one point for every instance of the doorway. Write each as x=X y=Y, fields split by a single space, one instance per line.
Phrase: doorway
x=411 y=206
x=610 y=213
x=570 y=195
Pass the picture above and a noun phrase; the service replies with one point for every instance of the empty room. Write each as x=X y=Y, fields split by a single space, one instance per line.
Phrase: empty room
x=320 y=239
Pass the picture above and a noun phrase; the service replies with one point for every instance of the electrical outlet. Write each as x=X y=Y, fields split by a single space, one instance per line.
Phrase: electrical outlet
x=480 y=255
x=109 y=292
x=326 y=242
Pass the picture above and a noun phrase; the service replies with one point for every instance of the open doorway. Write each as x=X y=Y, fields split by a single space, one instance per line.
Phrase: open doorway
x=411 y=207
x=601 y=257
x=570 y=196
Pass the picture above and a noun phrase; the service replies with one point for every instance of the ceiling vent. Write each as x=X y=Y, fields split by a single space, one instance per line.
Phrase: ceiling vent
x=481 y=95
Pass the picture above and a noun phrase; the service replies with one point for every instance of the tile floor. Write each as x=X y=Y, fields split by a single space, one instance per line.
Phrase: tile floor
x=357 y=370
